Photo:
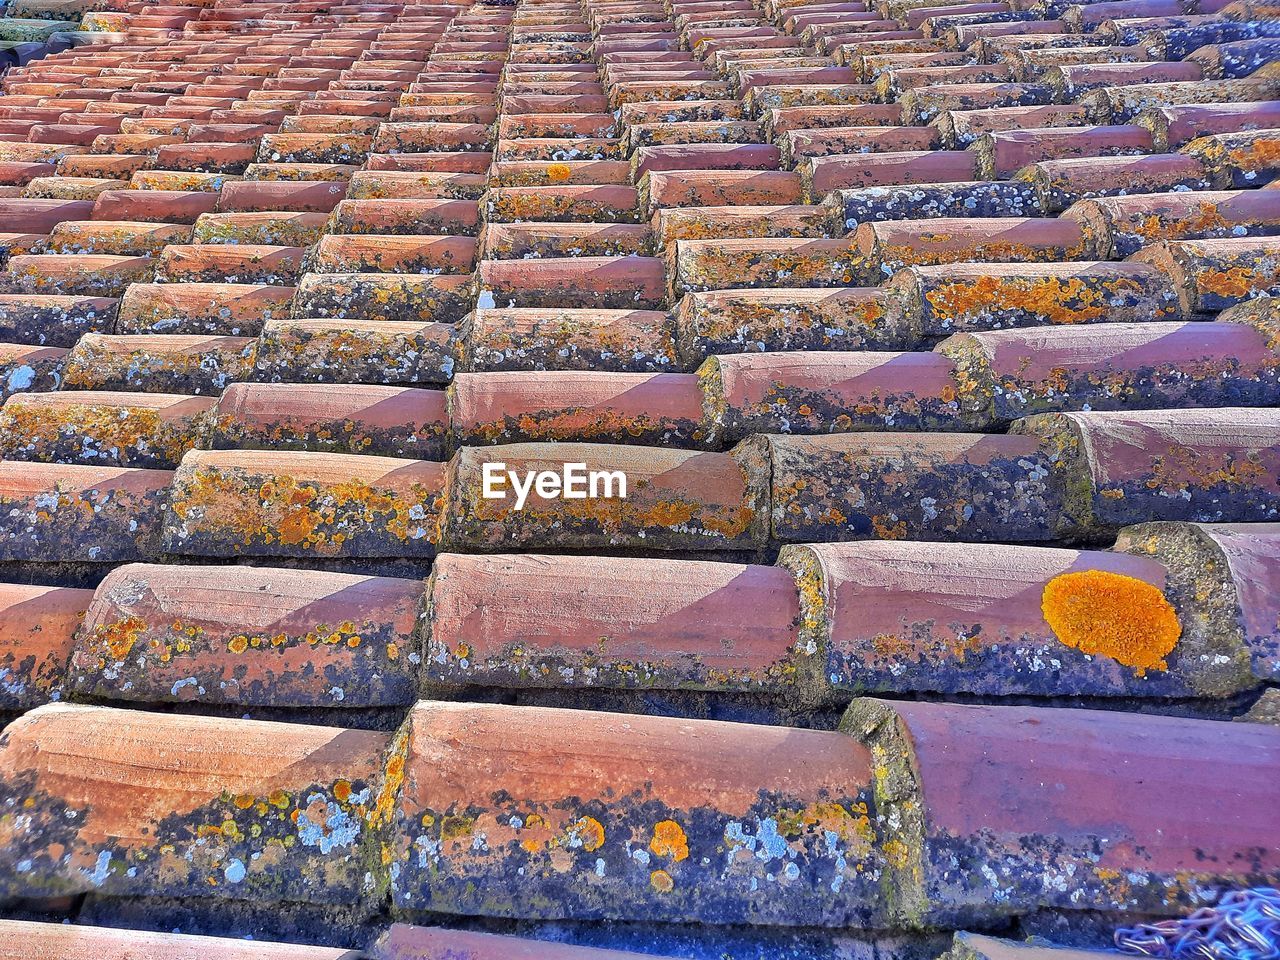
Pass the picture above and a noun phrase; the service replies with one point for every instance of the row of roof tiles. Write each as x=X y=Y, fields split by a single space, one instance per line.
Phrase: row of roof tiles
x=1053 y=477
x=1175 y=610
x=43 y=941
x=605 y=815
x=970 y=382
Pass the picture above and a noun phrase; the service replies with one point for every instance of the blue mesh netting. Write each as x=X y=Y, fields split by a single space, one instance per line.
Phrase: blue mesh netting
x=1245 y=925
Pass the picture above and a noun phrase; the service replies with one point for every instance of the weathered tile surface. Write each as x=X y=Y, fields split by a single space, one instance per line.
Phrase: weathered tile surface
x=936 y=346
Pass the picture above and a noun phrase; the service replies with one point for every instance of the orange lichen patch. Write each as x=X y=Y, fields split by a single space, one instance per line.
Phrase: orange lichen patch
x=537 y=834
x=897 y=854
x=590 y=832
x=888 y=528
x=392 y=780
x=669 y=840
x=1113 y=615
x=1206 y=219
x=1183 y=468
x=1238 y=282
x=1255 y=156
x=1059 y=300
x=661 y=881
x=559 y=172
x=119 y=637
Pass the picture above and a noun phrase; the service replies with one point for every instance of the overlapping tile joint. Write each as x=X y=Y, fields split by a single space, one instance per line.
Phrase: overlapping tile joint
x=937 y=345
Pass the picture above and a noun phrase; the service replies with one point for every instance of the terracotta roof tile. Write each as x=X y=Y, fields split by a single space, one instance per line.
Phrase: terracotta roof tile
x=651 y=841
x=405 y=942
x=934 y=744
x=52 y=319
x=1001 y=154
x=663 y=408
x=978 y=198
x=570 y=339
x=1182 y=464
x=886 y=246
x=36 y=636
x=80 y=513
x=201 y=308
x=154 y=363
x=1212 y=275
x=714 y=626
x=161 y=634
x=97 y=275
x=960 y=128
x=1060 y=183
x=103 y=427
x=1122 y=225
x=99 y=943
x=253 y=503
x=382 y=296
x=271 y=228
x=381 y=420
x=140 y=787
x=972 y=946
x=676 y=500
x=282 y=278
x=122 y=238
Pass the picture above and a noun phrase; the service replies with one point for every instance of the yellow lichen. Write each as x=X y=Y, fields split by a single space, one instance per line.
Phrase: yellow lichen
x=119 y=637
x=669 y=840
x=661 y=881
x=591 y=832
x=1112 y=615
x=896 y=853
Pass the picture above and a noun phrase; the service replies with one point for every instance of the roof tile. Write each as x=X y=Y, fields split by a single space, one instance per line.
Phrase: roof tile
x=558 y=822
x=1187 y=464
x=570 y=339
x=356 y=350
x=1010 y=814
x=1212 y=275
x=102 y=943
x=1122 y=225
x=54 y=320
x=923 y=486
x=232 y=309
x=129 y=795
x=36 y=635
x=886 y=615
x=96 y=275
x=533 y=621
x=252 y=636
x=1115 y=366
x=414 y=298
x=1060 y=183
x=159 y=363
x=649 y=408
x=61 y=513
x=270 y=228
x=749 y=320
x=405 y=942
x=228 y=503
x=102 y=427
x=676 y=500
x=373 y=419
